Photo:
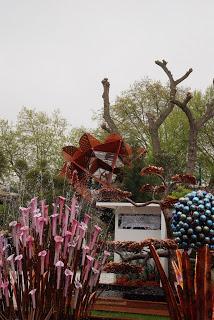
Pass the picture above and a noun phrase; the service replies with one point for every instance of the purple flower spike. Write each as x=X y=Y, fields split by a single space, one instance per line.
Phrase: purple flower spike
x=54 y=221
x=68 y=280
x=58 y=245
x=42 y=255
x=32 y=293
x=18 y=259
x=59 y=265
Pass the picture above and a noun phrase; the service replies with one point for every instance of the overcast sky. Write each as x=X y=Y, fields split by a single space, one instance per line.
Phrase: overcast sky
x=54 y=53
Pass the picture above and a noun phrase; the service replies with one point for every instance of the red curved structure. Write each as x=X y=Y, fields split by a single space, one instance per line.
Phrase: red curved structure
x=93 y=159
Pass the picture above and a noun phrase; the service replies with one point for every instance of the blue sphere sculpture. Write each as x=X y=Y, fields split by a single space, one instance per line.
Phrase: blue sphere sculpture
x=192 y=220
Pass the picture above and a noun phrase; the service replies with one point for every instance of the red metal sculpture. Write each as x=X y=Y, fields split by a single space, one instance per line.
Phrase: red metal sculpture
x=93 y=159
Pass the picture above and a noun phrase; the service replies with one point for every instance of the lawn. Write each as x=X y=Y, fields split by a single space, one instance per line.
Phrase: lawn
x=119 y=315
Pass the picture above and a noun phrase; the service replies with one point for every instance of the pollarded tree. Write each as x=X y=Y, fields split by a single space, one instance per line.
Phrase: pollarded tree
x=199 y=110
x=145 y=107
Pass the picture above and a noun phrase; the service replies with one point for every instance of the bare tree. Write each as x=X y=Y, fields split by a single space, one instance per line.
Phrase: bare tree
x=195 y=125
x=154 y=121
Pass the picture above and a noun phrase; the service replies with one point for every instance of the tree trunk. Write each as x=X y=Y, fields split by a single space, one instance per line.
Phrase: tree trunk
x=192 y=151
x=156 y=149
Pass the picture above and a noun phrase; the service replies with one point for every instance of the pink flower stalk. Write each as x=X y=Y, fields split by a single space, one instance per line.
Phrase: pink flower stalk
x=86 y=218
x=18 y=259
x=67 y=240
x=32 y=293
x=58 y=245
x=42 y=204
x=36 y=217
x=105 y=257
x=47 y=258
x=4 y=286
x=89 y=263
x=85 y=250
x=75 y=223
x=61 y=205
x=81 y=232
x=10 y=259
x=54 y=205
x=13 y=225
x=71 y=250
x=94 y=278
x=25 y=231
x=42 y=255
x=96 y=232
x=65 y=220
x=33 y=205
x=73 y=208
x=54 y=221
x=59 y=265
x=40 y=222
x=1 y=244
x=30 y=241
x=68 y=280
x=46 y=214
x=25 y=215
x=78 y=286
x=97 y=264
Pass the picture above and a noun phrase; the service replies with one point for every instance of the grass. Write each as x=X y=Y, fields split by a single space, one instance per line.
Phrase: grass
x=123 y=315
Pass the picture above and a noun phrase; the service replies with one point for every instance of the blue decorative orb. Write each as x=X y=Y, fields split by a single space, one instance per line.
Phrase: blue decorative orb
x=192 y=221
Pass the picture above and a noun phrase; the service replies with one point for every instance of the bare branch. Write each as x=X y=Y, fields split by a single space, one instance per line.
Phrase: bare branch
x=184 y=76
x=106 y=114
x=140 y=205
x=209 y=114
x=184 y=107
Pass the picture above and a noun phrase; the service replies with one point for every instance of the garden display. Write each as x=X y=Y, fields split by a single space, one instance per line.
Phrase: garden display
x=50 y=266
x=193 y=220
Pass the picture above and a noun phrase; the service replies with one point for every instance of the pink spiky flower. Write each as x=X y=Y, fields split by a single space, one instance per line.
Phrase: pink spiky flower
x=85 y=250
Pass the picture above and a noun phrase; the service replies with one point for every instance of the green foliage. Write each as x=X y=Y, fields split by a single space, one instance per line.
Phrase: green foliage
x=180 y=191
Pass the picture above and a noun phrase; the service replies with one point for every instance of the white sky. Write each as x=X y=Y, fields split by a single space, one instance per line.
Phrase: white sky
x=54 y=53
